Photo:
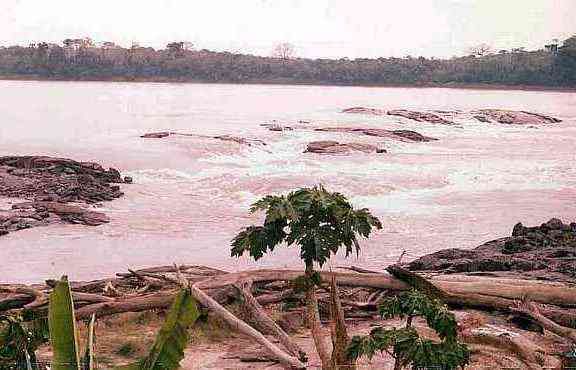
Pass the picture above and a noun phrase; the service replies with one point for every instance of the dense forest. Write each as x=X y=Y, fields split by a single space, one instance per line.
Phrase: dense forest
x=80 y=59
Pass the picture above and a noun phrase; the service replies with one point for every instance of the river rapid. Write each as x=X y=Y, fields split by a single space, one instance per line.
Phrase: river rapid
x=191 y=195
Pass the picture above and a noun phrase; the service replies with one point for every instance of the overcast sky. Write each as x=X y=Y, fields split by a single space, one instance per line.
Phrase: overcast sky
x=318 y=28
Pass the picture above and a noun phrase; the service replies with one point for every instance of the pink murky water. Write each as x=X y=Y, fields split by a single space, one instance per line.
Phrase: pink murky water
x=191 y=195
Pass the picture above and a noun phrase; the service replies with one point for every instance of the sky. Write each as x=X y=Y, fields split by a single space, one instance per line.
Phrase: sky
x=317 y=28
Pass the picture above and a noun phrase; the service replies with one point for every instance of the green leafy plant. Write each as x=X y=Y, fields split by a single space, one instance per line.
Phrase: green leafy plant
x=19 y=340
x=405 y=344
x=320 y=223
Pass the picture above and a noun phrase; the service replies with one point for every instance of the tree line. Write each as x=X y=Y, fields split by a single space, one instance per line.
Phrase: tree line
x=180 y=62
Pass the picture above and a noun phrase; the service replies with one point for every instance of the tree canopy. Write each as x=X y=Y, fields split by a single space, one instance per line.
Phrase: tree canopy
x=80 y=59
x=319 y=221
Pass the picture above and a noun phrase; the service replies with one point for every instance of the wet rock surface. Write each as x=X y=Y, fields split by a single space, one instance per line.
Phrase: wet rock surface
x=364 y=110
x=545 y=252
x=334 y=147
x=48 y=184
x=230 y=138
x=413 y=115
x=401 y=135
x=504 y=116
x=510 y=117
x=420 y=116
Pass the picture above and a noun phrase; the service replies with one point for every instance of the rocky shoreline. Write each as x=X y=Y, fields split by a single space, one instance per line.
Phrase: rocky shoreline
x=545 y=252
x=51 y=190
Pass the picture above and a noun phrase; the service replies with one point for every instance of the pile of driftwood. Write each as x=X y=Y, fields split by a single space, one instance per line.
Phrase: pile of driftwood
x=552 y=306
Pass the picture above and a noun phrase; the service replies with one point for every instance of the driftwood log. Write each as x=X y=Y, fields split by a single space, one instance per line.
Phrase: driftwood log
x=146 y=289
x=552 y=305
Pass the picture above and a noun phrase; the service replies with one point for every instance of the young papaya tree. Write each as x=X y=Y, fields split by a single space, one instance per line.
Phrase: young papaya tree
x=317 y=221
x=405 y=344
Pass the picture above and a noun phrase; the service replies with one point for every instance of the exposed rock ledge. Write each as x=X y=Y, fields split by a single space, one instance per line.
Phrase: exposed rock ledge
x=546 y=252
x=413 y=115
x=47 y=184
x=401 y=135
x=334 y=147
x=504 y=116
x=420 y=116
x=510 y=117
x=239 y=140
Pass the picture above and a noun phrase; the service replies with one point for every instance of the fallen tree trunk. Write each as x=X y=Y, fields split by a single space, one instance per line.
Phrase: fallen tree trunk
x=527 y=352
x=265 y=324
x=470 y=291
x=283 y=357
x=531 y=310
x=550 y=293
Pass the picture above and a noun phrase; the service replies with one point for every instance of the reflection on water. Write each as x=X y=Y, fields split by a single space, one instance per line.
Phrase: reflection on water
x=191 y=195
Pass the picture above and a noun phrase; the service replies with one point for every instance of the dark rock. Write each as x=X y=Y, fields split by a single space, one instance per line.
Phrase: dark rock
x=49 y=183
x=420 y=116
x=518 y=229
x=401 y=135
x=515 y=245
x=156 y=135
x=363 y=110
x=334 y=147
x=239 y=140
x=482 y=119
x=128 y=179
x=553 y=224
x=412 y=135
x=510 y=117
x=541 y=252
x=381 y=151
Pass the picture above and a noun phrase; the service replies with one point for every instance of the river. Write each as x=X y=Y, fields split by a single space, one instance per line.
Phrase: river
x=191 y=195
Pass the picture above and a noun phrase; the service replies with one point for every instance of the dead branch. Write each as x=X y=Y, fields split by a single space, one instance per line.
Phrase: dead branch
x=264 y=323
x=531 y=310
x=284 y=358
x=527 y=352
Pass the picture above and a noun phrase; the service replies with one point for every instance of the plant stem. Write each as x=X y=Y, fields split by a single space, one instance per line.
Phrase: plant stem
x=314 y=319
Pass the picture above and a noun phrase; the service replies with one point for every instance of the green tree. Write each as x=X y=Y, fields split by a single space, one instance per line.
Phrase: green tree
x=405 y=345
x=320 y=223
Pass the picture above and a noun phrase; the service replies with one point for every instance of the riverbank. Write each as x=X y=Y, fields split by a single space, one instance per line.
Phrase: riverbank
x=289 y=82
x=489 y=311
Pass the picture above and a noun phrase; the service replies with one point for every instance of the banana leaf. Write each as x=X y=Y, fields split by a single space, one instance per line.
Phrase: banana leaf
x=62 y=323
x=168 y=349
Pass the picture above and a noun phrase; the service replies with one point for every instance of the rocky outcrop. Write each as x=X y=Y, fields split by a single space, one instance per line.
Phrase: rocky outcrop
x=544 y=252
x=401 y=135
x=363 y=110
x=49 y=183
x=334 y=147
x=239 y=140
x=156 y=135
x=277 y=127
x=420 y=116
x=235 y=139
x=510 y=117
x=413 y=115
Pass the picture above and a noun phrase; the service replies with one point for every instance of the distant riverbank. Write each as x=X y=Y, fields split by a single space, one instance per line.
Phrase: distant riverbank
x=160 y=79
